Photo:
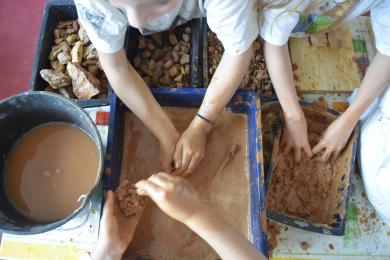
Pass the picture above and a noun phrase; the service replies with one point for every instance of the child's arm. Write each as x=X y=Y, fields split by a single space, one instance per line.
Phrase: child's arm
x=116 y=231
x=177 y=198
x=228 y=76
x=336 y=136
x=280 y=70
x=133 y=91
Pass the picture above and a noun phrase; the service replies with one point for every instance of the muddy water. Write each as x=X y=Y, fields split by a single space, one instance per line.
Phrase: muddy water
x=161 y=237
x=48 y=169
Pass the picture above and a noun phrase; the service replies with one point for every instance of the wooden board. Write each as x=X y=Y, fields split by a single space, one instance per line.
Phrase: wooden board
x=323 y=69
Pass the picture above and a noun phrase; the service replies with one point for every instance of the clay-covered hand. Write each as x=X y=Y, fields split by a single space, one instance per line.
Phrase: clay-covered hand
x=335 y=138
x=116 y=230
x=167 y=149
x=189 y=150
x=172 y=194
x=294 y=137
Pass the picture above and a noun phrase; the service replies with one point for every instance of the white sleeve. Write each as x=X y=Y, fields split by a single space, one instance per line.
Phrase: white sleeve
x=278 y=23
x=380 y=17
x=105 y=25
x=234 y=22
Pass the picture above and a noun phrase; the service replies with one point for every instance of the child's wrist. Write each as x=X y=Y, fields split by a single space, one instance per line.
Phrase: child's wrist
x=104 y=250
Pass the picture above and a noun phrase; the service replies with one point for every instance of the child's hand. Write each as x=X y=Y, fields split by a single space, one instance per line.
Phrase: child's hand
x=116 y=230
x=172 y=194
x=167 y=148
x=295 y=137
x=335 y=138
x=189 y=150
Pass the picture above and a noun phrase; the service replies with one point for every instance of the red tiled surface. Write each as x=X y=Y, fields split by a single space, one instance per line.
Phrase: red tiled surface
x=20 y=22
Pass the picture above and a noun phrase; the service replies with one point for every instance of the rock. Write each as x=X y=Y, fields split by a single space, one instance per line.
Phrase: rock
x=57 y=66
x=77 y=52
x=71 y=31
x=141 y=43
x=137 y=61
x=175 y=56
x=174 y=70
x=152 y=64
x=172 y=39
x=83 y=36
x=168 y=64
x=187 y=69
x=185 y=59
x=93 y=69
x=165 y=80
x=186 y=37
x=146 y=54
x=188 y=30
x=158 y=55
x=151 y=47
x=58 y=41
x=55 y=50
x=64 y=24
x=72 y=38
x=146 y=70
x=178 y=78
x=157 y=37
x=64 y=57
x=55 y=79
x=90 y=53
x=59 y=33
x=85 y=85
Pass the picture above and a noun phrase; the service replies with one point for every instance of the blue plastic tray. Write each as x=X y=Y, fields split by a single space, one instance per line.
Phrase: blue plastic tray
x=243 y=102
x=338 y=227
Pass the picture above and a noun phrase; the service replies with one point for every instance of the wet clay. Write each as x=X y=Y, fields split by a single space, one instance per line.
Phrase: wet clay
x=305 y=189
x=159 y=236
x=128 y=200
x=48 y=169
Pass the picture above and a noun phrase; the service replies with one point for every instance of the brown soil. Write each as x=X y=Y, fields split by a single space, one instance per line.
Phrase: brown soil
x=304 y=189
x=161 y=237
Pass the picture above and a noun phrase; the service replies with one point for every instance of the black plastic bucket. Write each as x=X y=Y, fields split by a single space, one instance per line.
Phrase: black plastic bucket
x=21 y=113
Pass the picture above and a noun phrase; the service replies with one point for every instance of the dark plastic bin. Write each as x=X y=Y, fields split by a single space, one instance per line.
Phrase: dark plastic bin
x=55 y=11
x=243 y=102
x=338 y=227
x=195 y=79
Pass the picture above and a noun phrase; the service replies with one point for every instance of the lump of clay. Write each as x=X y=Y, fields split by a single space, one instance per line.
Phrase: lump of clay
x=56 y=79
x=128 y=200
x=85 y=85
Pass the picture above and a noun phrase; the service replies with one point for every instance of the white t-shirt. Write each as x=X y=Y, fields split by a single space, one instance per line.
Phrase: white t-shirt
x=234 y=22
x=279 y=24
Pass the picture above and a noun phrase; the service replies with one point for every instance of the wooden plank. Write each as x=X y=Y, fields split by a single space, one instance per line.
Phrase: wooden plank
x=323 y=69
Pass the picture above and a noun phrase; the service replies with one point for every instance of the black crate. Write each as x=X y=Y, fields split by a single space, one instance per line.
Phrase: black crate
x=55 y=11
x=195 y=79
